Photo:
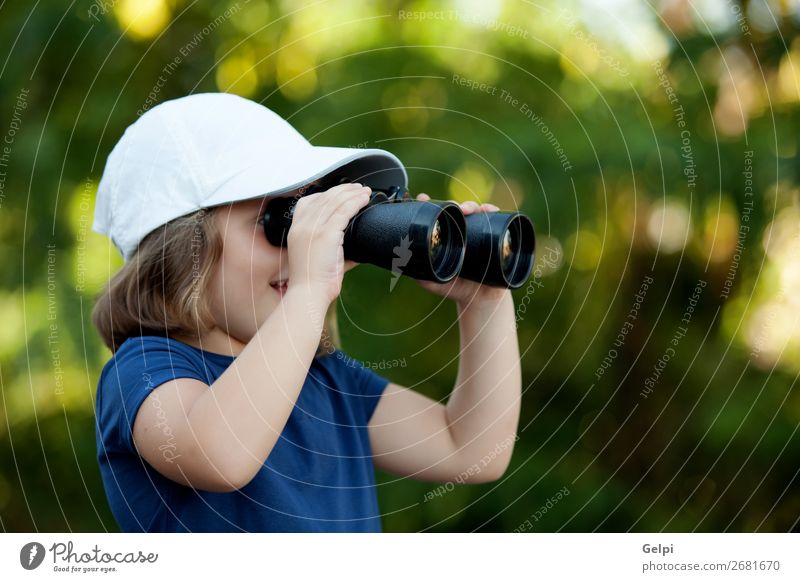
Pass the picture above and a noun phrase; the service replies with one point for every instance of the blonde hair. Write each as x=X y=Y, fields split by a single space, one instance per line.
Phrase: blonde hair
x=163 y=288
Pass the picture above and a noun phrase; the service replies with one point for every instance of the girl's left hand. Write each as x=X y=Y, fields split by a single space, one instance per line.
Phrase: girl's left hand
x=464 y=291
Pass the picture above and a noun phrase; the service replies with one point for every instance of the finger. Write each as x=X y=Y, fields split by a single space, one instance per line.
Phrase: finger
x=321 y=208
x=469 y=207
x=347 y=186
x=422 y=196
x=348 y=207
x=333 y=192
x=342 y=202
x=331 y=195
x=489 y=208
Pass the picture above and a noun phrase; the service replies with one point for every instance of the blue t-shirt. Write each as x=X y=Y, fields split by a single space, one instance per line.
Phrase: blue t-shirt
x=318 y=477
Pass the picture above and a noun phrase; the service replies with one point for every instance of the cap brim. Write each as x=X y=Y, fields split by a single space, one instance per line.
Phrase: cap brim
x=373 y=167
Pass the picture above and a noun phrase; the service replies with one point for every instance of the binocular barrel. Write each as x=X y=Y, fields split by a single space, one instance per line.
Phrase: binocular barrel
x=423 y=241
x=500 y=248
x=428 y=240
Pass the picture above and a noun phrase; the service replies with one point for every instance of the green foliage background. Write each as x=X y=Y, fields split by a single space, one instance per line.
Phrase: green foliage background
x=714 y=447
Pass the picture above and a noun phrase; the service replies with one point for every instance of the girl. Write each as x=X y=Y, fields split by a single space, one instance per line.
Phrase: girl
x=226 y=405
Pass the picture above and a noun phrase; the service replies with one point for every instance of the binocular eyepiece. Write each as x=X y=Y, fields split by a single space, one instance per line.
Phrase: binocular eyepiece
x=429 y=240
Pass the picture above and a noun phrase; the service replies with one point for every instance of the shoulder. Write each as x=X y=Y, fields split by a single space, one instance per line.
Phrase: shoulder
x=139 y=365
x=151 y=353
x=151 y=343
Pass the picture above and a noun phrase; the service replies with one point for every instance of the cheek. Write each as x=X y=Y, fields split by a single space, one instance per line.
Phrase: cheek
x=246 y=269
x=227 y=284
x=267 y=260
x=240 y=280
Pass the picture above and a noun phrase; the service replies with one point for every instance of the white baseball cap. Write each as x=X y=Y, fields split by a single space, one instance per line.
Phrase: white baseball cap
x=208 y=149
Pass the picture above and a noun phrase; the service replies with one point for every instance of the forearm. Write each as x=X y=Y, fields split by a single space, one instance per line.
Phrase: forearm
x=483 y=410
x=239 y=420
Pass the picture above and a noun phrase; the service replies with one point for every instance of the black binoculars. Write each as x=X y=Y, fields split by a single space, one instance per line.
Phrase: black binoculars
x=430 y=240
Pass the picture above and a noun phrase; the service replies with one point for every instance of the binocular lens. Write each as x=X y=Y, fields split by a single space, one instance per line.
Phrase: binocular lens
x=519 y=243
x=500 y=249
x=507 y=252
x=511 y=252
x=446 y=245
x=436 y=243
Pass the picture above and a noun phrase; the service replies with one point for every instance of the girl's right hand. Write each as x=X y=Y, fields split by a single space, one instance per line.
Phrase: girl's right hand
x=316 y=237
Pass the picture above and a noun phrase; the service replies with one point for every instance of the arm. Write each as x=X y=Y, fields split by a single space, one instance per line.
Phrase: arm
x=221 y=437
x=471 y=438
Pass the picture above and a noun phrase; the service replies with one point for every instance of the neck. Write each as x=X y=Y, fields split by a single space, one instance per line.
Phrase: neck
x=216 y=341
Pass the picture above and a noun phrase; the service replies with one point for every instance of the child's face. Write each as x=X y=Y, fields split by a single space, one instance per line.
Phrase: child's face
x=242 y=290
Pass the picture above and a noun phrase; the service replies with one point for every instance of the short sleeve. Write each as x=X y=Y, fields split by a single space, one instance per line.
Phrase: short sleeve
x=370 y=385
x=139 y=366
